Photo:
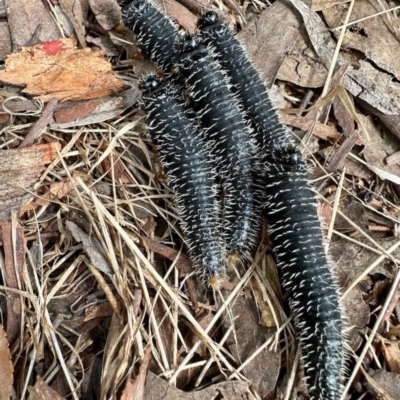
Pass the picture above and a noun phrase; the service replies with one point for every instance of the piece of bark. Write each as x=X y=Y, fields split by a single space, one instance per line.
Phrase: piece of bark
x=269 y=36
x=336 y=162
x=391 y=352
x=134 y=390
x=375 y=37
x=5 y=40
x=321 y=131
x=14 y=258
x=57 y=69
x=30 y=23
x=6 y=366
x=301 y=65
x=367 y=83
x=380 y=144
x=19 y=170
x=40 y=124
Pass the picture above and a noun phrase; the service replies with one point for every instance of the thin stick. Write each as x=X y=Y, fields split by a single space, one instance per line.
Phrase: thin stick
x=335 y=206
x=369 y=269
x=347 y=24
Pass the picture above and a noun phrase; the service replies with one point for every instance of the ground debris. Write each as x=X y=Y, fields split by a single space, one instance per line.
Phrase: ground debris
x=57 y=69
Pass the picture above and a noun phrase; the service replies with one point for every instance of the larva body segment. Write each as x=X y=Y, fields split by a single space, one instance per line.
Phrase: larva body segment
x=295 y=230
x=234 y=147
x=191 y=176
x=246 y=82
x=156 y=33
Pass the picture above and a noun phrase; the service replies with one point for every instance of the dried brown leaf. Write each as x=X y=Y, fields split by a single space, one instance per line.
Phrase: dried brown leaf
x=57 y=69
x=30 y=23
x=108 y=13
x=248 y=336
x=157 y=389
x=94 y=111
x=77 y=11
x=99 y=311
x=92 y=247
x=42 y=391
x=180 y=13
x=319 y=5
x=269 y=36
x=117 y=170
x=19 y=170
x=6 y=367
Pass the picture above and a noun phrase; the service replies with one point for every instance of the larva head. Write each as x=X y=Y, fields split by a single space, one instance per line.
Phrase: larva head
x=286 y=156
x=151 y=85
x=208 y=19
x=188 y=43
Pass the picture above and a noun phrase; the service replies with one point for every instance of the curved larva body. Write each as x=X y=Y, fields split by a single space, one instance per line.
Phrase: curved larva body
x=295 y=230
x=190 y=176
x=156 y=33
x=233 y=146
x=245 y=80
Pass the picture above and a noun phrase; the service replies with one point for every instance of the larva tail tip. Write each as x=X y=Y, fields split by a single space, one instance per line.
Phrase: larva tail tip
x=234 y=257
x=120 y=28
x=215 y=282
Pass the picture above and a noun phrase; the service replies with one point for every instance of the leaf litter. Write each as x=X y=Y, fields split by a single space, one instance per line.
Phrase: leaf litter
x=100 y=300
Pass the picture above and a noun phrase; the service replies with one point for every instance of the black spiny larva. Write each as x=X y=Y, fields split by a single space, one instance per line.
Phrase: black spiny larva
x=156 y=33
x=190 y=175
x=296 y=232
x=246 y=82
x=295 y=228
x=234 y=148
